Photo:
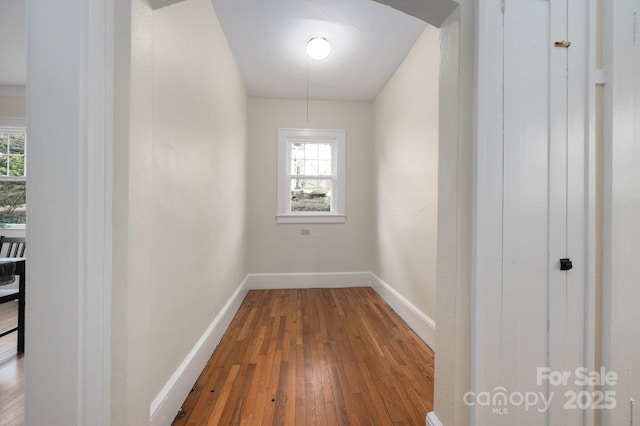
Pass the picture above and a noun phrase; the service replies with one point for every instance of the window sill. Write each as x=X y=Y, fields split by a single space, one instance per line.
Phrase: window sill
x=309 y=218
x=13 y=226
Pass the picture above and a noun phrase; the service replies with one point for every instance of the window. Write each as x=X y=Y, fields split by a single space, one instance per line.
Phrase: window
x=311 y=170
x=13 y=177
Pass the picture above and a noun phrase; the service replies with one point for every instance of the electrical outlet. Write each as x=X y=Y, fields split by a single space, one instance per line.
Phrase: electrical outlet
x=305 y=232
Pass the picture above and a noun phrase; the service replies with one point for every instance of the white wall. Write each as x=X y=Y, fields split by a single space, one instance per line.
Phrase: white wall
x=279 y=248
x=197 y=205
x=406 y=166
x=12 y=106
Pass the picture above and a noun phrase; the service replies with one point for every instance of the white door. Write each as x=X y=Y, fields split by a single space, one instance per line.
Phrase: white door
x=568 y=209
x=534 y=311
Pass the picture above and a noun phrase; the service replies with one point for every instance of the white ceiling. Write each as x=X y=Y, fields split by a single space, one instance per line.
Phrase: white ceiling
x=369 y=40
x=268 y=38
x=13 y=44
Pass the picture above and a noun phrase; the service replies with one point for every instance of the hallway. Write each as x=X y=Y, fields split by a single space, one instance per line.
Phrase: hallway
x=314 y=356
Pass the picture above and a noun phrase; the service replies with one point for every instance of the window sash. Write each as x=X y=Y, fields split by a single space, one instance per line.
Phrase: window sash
x=311 y=202
x=8 y=130
x=286 y=139
x=8 y=154
x=332 y=177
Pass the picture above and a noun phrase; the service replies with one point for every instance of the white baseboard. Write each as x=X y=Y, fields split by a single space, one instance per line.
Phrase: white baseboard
x=433 y=420
x=309 y=280
x=419 y=322
x=167 y=403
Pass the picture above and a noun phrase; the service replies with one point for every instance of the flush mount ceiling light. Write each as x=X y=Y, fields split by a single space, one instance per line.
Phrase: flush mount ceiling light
x=318 y=48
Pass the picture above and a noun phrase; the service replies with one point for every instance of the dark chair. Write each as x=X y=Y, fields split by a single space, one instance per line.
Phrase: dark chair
x=11 y=247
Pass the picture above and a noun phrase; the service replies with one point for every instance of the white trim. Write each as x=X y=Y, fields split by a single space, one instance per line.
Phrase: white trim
x=419 y=322
x=433 y=420
x=486 y=211
x=168 y=401
x=13 y=91
x=309 y=280
x=595 y=76
x=308 y=218
x=69 y=118
x=13 y=123
x=12 y=226
x=620 y=243
x=96 y=123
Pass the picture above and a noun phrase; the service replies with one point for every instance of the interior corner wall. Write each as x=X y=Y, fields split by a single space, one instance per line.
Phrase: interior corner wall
x=132 y=132
x=280 y=248
x=406 y=167
x=13 y=106
x=197 y=214
x=453 y=331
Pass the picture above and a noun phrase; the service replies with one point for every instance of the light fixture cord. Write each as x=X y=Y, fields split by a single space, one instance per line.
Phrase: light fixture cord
x=307 y=90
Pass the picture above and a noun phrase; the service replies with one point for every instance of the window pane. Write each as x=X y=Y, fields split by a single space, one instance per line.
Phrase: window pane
x=297 y=167
x=13 y=202
x=297 y=159
x=310 y=195
x=325 y=167
x=311 y=151
x=4 y=140
x=324 y=151
x=16 y=165
x=297 y=151
x=311 y=159
x=16 y=144
x=3 y=165
x=311 y=167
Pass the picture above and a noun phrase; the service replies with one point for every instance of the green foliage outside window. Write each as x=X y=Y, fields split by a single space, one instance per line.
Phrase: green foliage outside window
x=13 y=191
x=13 y=201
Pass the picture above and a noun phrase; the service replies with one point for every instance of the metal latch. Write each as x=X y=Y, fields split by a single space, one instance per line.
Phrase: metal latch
x=566 y=264
x=562 y=43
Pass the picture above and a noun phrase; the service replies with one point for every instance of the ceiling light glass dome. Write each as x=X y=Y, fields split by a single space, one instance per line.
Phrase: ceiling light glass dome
x=318 y=48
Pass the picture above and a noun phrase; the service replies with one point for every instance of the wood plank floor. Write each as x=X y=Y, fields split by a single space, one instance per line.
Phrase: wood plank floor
x=11 y=369
x=314 y=357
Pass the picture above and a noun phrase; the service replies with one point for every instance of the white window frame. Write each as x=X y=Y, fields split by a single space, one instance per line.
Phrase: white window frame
x=14 y=125
x=287 y=137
